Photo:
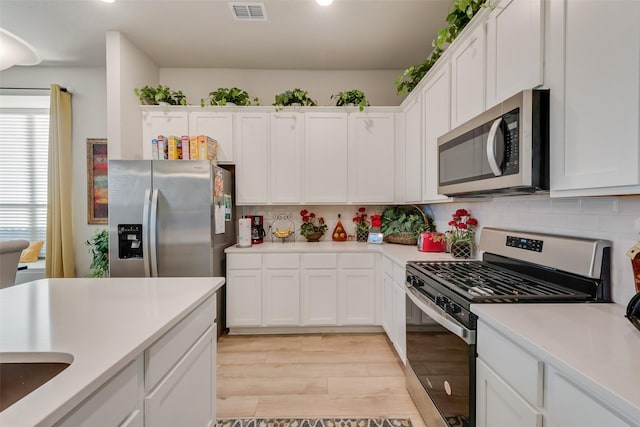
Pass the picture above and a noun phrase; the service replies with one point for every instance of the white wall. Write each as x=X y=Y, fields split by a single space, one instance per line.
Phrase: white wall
x=610 y=218
x=88 y=89
x=196 y=83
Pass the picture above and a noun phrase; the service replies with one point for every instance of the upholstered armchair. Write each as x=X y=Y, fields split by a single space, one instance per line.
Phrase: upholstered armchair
x=10 y=251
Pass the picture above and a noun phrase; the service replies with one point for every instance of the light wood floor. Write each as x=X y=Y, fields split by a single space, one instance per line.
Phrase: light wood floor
x=311 y=376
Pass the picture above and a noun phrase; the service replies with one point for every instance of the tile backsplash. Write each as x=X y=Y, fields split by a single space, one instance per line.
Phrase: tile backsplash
x=611 y=218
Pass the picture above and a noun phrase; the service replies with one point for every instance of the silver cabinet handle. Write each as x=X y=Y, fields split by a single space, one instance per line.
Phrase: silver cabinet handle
x=436 y=313
x=153 y=233
x=493 y=156
x=145 y=233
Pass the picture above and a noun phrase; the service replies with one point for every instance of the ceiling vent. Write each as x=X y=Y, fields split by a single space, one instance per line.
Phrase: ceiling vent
x=248 y=11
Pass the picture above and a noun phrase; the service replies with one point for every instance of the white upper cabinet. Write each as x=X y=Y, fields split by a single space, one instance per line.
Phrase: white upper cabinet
x=287 y=139
x=436 y=101
x=252 y=148
x=325 y=157
x=371 y=155
x=515 y=40
x=167 y=122
x=413 y=151
x=217 y=125
x=594 y=64
x=467 y=59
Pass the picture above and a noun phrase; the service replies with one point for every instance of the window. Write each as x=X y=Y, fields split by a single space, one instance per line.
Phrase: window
x=24 y=140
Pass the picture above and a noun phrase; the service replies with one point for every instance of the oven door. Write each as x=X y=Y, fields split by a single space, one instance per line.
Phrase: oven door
x=440 y=370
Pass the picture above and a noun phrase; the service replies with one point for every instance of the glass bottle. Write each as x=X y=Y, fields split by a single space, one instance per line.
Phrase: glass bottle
x=339 y=233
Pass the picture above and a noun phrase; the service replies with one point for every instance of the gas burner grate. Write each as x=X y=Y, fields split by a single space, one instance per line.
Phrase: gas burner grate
x=479 y=281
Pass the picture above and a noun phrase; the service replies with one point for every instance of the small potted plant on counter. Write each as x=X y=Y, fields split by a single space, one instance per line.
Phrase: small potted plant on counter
x=351 y=97
x=295 y=97
x=362 y=225
x=460 y=237
x=229 y=96
x=402 y=224
x=313 y=227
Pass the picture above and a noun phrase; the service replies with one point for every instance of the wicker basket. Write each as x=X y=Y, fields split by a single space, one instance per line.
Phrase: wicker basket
x=404 y=238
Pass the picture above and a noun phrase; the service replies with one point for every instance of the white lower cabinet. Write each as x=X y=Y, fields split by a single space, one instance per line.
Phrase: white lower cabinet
x=515 y=388
x=387 y=314
x=302 y=289
x=170 y=383
x=399 y=321
x=498 y=405
x=395 y=306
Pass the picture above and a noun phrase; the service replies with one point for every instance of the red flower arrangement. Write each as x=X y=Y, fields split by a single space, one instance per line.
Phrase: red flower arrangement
x=311 y=224
x=463 y=227
x=362 y=224
x=376 y=220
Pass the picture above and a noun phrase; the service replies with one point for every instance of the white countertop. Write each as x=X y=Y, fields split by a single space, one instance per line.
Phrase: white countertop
x=400 y=254
x=102 y=323
x=594 y=344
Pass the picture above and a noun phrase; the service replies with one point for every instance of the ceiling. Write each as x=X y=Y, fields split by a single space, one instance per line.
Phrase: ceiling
x=298 y=34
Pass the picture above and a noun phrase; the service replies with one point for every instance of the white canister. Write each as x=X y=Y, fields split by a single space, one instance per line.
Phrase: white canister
x=244 y=232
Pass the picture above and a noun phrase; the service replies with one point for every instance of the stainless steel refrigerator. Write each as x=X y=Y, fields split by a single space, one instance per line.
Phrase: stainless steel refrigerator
x=170 y=219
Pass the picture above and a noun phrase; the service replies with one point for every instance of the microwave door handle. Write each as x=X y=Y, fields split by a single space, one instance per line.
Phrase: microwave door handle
x=492 y=142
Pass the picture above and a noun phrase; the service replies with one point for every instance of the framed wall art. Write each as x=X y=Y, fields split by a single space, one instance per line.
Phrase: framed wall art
x=97 y=181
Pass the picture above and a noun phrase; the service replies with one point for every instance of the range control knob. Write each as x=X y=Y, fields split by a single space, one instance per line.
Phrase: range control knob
x=452 y=308
x=441 y=300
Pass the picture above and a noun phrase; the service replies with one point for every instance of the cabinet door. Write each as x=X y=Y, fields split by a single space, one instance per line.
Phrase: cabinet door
x=412 y=170
x=166 y=122
x=514 y=48
x=281 y=301
x=595 y=98
x=399 y=321
x=319 y=297
x=325 y=157
x=388 y=305
x=217 y=125
x=356 y=297
x=436 y=98
x=287 y=137
x=497 y=405
x=568 y=405
x=244 y=297
x=252 y=150
x=186 y=394
x=468 y=76
x=372 y=157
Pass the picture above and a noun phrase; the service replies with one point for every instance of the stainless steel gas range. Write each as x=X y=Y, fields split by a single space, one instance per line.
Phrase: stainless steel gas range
x=516 y=267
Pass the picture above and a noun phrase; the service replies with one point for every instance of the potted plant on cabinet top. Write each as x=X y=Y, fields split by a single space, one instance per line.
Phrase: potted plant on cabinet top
x=233 y=96
x=351 y=97
x=402 y=224
x=162 y=94
x=298 y=97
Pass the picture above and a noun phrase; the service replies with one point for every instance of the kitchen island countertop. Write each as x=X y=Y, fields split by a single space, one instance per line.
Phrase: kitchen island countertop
x=103 y=324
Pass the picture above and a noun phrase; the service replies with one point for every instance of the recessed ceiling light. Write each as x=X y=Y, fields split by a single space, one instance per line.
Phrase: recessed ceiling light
x=324 y=2
x=109 y=1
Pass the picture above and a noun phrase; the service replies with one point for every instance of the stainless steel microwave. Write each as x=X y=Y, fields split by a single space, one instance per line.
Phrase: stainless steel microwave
x=504 y=150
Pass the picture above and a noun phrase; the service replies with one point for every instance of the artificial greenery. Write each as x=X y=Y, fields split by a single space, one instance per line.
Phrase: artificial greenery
x=351 y=97
x=295 y=96
x=460 y=15
x=153 y=96
x=405 y=219
x=233 y=95
x=99 y=249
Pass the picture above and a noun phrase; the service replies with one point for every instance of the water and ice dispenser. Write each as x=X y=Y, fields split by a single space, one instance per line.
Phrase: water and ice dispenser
x=129 y=241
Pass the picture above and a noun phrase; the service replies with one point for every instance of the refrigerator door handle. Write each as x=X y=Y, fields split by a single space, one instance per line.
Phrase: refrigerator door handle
x=145 y=233
x=153 y=233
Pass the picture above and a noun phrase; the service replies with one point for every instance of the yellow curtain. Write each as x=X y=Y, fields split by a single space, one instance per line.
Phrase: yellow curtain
x=60 y=261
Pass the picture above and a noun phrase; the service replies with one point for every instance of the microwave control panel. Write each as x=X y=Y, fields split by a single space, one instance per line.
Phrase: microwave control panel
x=511 y=133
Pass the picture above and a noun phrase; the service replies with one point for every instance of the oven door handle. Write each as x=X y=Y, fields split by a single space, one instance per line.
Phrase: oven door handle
x=440 y=316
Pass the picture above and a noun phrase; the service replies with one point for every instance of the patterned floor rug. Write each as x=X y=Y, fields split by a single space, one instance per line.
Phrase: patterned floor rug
x=313 y=422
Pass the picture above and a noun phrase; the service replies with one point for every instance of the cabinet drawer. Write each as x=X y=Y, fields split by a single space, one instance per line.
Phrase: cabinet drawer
x=283 y=261
x=399 y=275
x=387 y=266
x=319 y=261
x=519 y=369
x=164 y=353
x=357 y=260
x=244 y=261
x=115 y=402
